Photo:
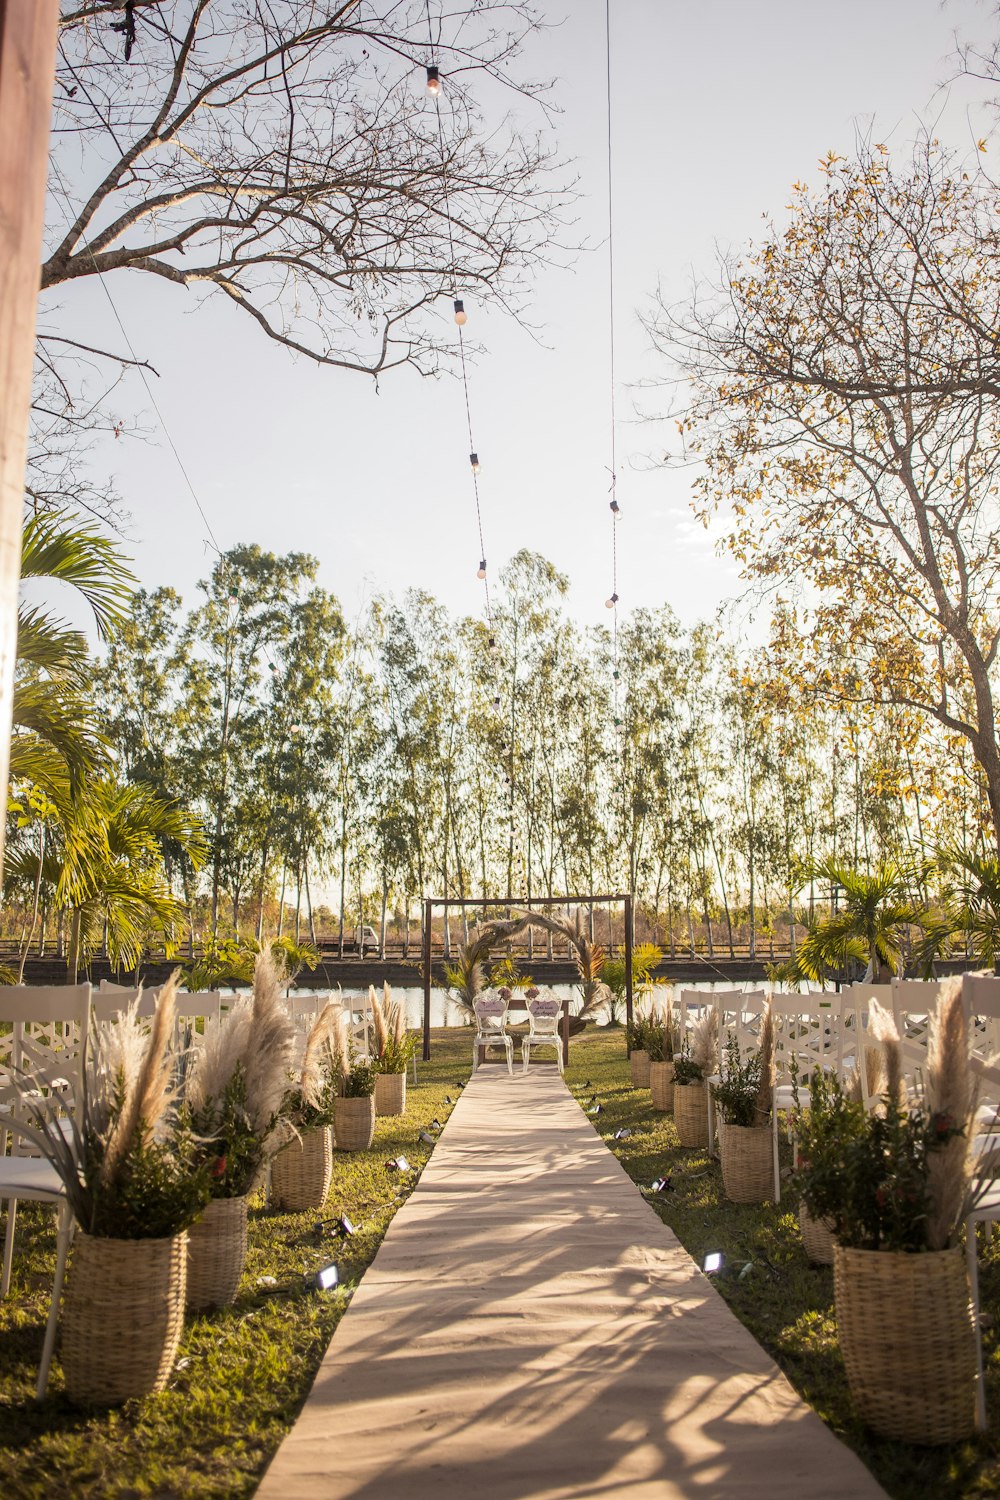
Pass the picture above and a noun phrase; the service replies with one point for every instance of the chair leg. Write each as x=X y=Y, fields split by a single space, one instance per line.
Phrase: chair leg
x=774 y=1149
x=711 y=1122
x=509 y=1049
x=972 y=1261
x=62 y=1251
x=525 y=1054
x=8 y=1246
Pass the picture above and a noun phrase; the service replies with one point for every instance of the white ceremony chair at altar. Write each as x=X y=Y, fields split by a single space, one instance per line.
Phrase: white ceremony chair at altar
x=52 y=1021
x=491 y=1028
x=739 y=1016
x=544 y=1016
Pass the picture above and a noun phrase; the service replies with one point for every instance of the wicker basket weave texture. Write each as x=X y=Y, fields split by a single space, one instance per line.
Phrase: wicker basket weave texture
x=217 y=1252
x=123 y=1315
x=638 y=1065
x=302 y=1171
x=691 y=1113
x=817 y=1238
x=661 y=1085
x=747 y=1163
x=354 y=1125
x=906 y=1332
x=390 y=1094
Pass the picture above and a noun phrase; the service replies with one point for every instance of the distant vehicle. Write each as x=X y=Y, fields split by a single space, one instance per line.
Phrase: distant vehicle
x=361 y=939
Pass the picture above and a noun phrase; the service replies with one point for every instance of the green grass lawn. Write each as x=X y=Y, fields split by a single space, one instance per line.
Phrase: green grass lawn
x=770 y=1285
x=242 y=1374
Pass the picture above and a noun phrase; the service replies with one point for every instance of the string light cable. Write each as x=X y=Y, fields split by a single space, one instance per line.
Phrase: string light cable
x=612 y=602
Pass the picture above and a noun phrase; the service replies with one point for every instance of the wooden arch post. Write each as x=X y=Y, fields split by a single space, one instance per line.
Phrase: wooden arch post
x=430 y=902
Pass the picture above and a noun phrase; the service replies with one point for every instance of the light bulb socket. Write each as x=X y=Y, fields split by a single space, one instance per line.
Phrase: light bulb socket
x=474 y=461
x=496 y=702
x=493 y=643
x=615 y=508
x=433 y=81
x=461 y=316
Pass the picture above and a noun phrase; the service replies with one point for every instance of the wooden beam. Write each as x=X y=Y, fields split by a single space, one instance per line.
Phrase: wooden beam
x=27 y=71
x=427 y=980
x=629 y=943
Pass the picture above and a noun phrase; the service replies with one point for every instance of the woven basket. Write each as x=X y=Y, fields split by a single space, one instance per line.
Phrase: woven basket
x=217 y=1252
x=661 y=1085
x=747 y=1163
x=390 y=1093
x=906 y=1332
x=123 y=1313
x=302 y=1170
x=817 y=1238
x=638 y=1066
x=354 y=1124
x=691 y=1113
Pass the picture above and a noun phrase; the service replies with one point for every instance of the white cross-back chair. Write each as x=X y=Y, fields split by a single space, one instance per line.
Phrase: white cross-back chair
x=808 y=1034
x=986 y=1210
x=491 y=1028
x=108 y=1004
x=543 y=1029
x=739 y=1016
x=913 y=1003
x=53 y=1021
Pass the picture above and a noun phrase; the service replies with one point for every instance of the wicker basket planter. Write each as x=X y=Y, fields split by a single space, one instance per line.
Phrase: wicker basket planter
x=390 y=1093
x=661 y=1085
x=123 y=1314
x=354 y=1124
x=217 y=1252
x=302 y=1170
x=638 y=1065
x=817 y=1238
x=747 y=1163
x=905 y=1327
x=691 y=1113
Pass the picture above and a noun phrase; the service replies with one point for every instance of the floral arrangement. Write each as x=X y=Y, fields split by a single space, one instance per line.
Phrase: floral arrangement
x=744 y=1092
x=238 y=1083
x=898 y=1178
x=129 y=1166
x=393 y=1045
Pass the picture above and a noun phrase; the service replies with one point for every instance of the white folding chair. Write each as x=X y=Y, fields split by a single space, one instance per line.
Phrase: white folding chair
x=53 y=1021
x=739 y=1016
x=358 y=1012
x=491 y=1028
x=543 y=1029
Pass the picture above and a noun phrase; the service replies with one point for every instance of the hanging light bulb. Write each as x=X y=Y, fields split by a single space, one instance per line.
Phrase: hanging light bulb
x=496 y=702
x=474 y=461
x=481 y=570
x=615 y=508
x=433 y=82
x=234 y=593
x=461 y=316
x=272 y=667
x=610 y=603
x=616 y=674
x=493 y=643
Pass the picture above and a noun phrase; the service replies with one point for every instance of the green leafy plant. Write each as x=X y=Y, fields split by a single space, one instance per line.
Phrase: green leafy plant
x=359 y=1080
x=743 y=1093
x=686 y=1070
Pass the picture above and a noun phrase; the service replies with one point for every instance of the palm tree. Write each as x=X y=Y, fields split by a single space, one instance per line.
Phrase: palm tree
x=970 y=909
x=875 y=915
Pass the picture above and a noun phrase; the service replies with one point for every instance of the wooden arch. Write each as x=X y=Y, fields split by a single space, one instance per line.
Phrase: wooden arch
x=626 y=899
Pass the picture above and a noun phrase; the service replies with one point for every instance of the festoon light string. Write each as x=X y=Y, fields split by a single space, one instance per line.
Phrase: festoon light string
x=612 y=602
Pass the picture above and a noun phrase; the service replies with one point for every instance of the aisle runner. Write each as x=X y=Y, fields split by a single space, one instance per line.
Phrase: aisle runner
x=530 y=1328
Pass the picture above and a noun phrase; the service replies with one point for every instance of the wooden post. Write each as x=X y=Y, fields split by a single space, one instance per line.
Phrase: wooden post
x=27 y=71
x=564 y=1032
x=428 y=909
x=629 y=941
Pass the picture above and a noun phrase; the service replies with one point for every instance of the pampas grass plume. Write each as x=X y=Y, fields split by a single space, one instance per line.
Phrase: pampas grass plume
x=270 y=1045
x=950 y=1099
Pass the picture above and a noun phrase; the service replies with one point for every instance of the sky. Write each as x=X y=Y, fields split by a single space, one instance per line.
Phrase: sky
x=717 y=107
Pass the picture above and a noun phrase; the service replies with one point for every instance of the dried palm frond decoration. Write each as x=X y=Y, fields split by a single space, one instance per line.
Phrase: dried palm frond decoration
x=588 y=955
x=126 y=1162
x=465 y=976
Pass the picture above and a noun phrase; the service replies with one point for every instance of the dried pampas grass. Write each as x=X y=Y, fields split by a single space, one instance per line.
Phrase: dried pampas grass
x=219 y=1053
x=950 y=1099
x=765 y=1049
x=705 y=1042
x=388 y=1019
x=270 y=1045
x=145 y=1080
x=883 y=1027
x=316 y=1062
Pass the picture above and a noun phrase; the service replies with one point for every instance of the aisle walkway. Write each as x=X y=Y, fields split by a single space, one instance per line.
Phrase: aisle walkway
x=530 y=1328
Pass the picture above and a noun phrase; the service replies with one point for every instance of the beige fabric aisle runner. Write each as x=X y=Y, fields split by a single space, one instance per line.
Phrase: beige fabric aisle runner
x=530 y=1328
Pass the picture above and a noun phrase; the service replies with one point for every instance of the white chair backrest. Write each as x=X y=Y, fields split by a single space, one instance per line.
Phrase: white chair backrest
x=106 y=987
x=740 y=1013
x=52 y=1020
x=689 y=1007
x=544 y=1016
x=491 y=1013
x=358 y=1011
x=913 y=1002
x=808 y=1029
x=107 y=1005
x=201 y=1007
x=981 y=998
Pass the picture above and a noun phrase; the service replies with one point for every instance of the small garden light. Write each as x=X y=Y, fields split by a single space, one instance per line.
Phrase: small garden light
x=714 y=1261
x=327 y=1277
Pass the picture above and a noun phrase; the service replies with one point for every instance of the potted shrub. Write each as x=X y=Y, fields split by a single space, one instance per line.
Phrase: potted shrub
x=743 y=1096
x=234 y=1095
x=695 y=1063
x=638 y=1058
x=660 y=1049
x=301 y=1170
x=134 y=1183
x=834 y=1116
x=354 y=1110
x=897 y=1198
x=392 y=1051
